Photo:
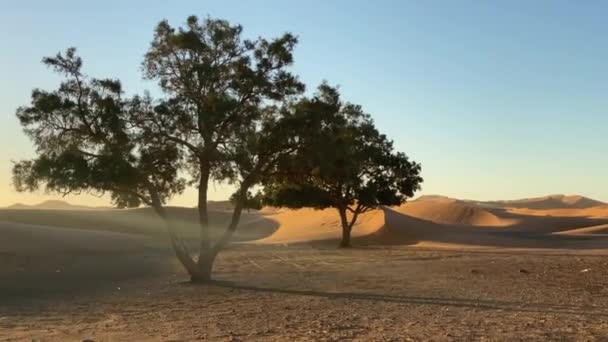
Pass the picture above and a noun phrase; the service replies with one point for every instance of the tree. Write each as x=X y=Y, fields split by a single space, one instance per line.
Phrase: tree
x=252 y=201
x=222 y=110
x=345 y=163
x=222 y=119
x=85 y=142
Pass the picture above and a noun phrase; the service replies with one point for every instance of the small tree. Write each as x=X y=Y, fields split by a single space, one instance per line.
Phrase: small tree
x=345 y=164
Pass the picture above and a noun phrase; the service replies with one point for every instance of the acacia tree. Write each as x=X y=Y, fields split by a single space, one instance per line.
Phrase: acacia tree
x=345 y=163
x=222 y=96
x=221 y=119
x=85 y=142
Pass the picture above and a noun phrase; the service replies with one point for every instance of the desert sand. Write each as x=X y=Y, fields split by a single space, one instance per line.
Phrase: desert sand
x=433 y=269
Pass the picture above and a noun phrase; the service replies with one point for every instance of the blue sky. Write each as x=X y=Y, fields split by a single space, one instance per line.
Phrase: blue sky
x=497 y=100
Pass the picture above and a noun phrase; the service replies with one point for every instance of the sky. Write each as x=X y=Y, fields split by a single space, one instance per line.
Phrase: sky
x=496 y=99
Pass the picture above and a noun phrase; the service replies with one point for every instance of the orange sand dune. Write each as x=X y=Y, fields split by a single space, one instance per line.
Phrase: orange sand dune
x=451 y=212
x=599 y=211
x=377 y=227
x=439 y=224
x=435 y=198
x=429 y=221
x=548 y=202
x=304 y=225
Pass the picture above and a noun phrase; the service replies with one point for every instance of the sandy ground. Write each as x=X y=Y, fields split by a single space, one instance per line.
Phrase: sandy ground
x=311 y=294
x=464 y=273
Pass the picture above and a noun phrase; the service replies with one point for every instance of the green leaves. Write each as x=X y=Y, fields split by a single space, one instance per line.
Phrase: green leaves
x=223 y=97
x=85 y=136
x=343 y=160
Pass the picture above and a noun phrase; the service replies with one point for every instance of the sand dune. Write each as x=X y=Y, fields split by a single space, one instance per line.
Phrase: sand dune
x=599 y=211
x=429 y=221
x=111 y=274
x=601 y=229
x=451 y=212
x=548 y=202
x=305 y=225
x=435 y=198
x=52 y=205
x=439 y=222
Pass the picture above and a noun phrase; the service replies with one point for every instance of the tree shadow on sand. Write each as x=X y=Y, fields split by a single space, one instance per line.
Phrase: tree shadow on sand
x=466 y=303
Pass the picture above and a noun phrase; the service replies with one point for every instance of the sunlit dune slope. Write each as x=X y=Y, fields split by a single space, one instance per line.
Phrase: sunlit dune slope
x=377 y=227
x=423 y=224
x=316 y=225
x=435 y=198
x=599 y=211
x=548 y=203
x=451 y=212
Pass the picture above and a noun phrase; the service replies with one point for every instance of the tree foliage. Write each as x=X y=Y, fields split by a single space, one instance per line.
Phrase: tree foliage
x=218 y=88
x=230 y=111
x=222 y=108
x=345 y=163
x=85 y=143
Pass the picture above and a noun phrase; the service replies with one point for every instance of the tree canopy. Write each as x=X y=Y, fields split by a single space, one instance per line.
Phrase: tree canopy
x=85 y=143
x=222 y=103
x=345 y=163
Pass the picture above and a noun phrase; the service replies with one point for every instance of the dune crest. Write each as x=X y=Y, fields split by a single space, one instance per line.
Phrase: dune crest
x=435 y=198
x=595 y=212
x=548 y=202
x=52 y=205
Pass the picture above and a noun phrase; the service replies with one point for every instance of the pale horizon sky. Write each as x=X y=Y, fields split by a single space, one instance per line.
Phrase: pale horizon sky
x=496 y=100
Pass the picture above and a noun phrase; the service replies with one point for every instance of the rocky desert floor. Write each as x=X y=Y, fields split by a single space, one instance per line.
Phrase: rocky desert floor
x=311 y=294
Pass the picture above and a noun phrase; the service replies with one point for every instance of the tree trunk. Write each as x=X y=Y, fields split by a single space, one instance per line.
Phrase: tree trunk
x=204 y=267
x=206 y=260
x=234 y=221
x=346 y=227
x=180 y=249
x=345 y=242
x=205 y=256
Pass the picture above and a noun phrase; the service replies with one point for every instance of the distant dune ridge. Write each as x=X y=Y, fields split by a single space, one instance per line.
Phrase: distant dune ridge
x=538 y=203
x=63 y=205
x=52 y=204
x=549 y=202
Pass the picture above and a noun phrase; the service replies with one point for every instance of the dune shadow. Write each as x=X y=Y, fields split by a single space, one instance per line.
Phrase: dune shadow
x=144 y=221
x=67 y=254
x=528 y=232
x=45 y=262
x=547 y=223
